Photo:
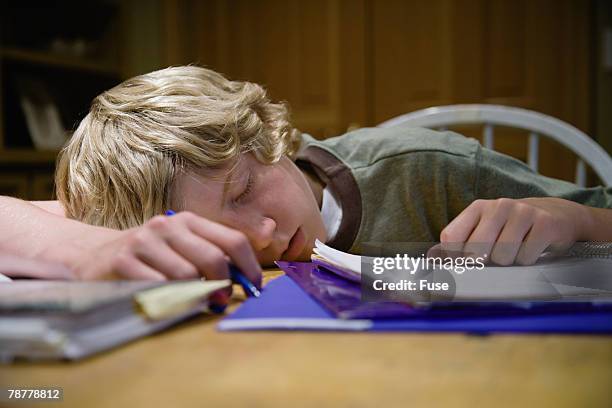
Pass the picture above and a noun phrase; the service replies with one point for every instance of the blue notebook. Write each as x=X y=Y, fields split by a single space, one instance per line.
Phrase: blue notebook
x=285 y=306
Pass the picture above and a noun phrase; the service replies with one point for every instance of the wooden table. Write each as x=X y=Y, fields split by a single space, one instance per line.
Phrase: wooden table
x=193 y=365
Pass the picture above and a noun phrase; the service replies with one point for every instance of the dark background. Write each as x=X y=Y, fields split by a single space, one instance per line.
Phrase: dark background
x=340 y=63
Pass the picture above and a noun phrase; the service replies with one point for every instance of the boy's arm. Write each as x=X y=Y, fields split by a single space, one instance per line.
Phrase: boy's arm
x=18 y=266
x=181 y=247
x=29 y=231
x=518 y=213
x=22 y=266
x=54 y=207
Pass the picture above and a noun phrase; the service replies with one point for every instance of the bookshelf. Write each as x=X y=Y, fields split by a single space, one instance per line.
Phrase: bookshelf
x=55 y=57
x=53 y=60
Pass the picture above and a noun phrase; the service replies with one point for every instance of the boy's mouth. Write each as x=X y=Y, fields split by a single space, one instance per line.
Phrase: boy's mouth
x=296 y=245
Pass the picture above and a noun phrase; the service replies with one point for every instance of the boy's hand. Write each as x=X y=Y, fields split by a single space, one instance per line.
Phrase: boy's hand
x=510 y=231
x=184 y=246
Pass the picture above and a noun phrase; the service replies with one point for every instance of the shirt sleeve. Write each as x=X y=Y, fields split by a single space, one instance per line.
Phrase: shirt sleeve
x=498 y=175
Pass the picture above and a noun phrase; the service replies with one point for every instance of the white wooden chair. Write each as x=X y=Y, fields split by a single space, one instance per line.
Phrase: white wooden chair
x=537 y=124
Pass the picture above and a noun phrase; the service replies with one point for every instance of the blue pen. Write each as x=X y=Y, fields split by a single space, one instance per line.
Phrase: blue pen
x=236 y=275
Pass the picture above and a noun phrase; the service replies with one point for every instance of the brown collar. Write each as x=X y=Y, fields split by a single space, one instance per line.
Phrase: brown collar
x=339 y=177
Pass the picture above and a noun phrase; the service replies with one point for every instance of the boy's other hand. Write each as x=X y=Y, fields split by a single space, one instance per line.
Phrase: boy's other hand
x=511 y=231
x=184 y=246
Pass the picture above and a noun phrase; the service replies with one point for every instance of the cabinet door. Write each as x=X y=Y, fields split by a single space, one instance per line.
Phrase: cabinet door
x=309 y=53
x=531 y=54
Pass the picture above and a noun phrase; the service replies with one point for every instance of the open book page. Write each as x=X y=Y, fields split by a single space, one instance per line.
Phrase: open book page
x=60 y=319
x=156 y=300
x=580 y=275
x=349 y=262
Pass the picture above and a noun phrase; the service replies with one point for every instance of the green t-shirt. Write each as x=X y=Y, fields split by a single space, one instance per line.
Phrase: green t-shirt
x=406 y=184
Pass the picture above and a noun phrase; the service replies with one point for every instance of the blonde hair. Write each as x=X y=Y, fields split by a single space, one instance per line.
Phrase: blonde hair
x=118 y=168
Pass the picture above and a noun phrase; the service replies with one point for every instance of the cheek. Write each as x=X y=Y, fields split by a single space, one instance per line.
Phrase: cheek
x=290 y=192
x=295 y=180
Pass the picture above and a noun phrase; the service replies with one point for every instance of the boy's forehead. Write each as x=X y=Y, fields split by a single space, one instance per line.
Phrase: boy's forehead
x=198 y=191
x=207 y=184
x=222 y=174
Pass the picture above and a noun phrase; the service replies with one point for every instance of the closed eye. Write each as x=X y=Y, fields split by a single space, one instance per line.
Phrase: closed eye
x=247 y=190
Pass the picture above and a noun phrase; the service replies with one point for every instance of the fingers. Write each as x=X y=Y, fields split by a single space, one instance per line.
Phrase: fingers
x=511 y=237
x=186 y=246
x=233 y=243
x=531 y=249
x=542 y=234
x=161 y=257
x=458 y=231
x=462 y=226
x=129 y=267
x=505 y=229
x=478 y=226
x=204 y=258
x=484 y=235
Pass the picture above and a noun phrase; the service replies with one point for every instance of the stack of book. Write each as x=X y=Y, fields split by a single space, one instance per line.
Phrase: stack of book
x=71 y=320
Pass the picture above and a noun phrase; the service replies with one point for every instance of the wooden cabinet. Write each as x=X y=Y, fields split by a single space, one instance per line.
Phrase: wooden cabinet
x=28 y=184
x=530 y=54
x=294 y=48
x=339 y=64
x=346 y=63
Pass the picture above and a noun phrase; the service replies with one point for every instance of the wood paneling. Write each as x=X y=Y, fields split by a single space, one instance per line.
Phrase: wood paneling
x=411 y=56
x=342 y=63
x=603 y=76
x=506 y=51
x=290 y=47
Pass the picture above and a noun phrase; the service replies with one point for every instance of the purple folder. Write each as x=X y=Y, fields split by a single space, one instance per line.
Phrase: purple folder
x=286 y=305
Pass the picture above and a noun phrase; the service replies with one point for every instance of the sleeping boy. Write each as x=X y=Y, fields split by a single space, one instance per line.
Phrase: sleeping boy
x=249 y=188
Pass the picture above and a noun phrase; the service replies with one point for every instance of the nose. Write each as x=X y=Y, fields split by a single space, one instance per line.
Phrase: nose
x=262 y=234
